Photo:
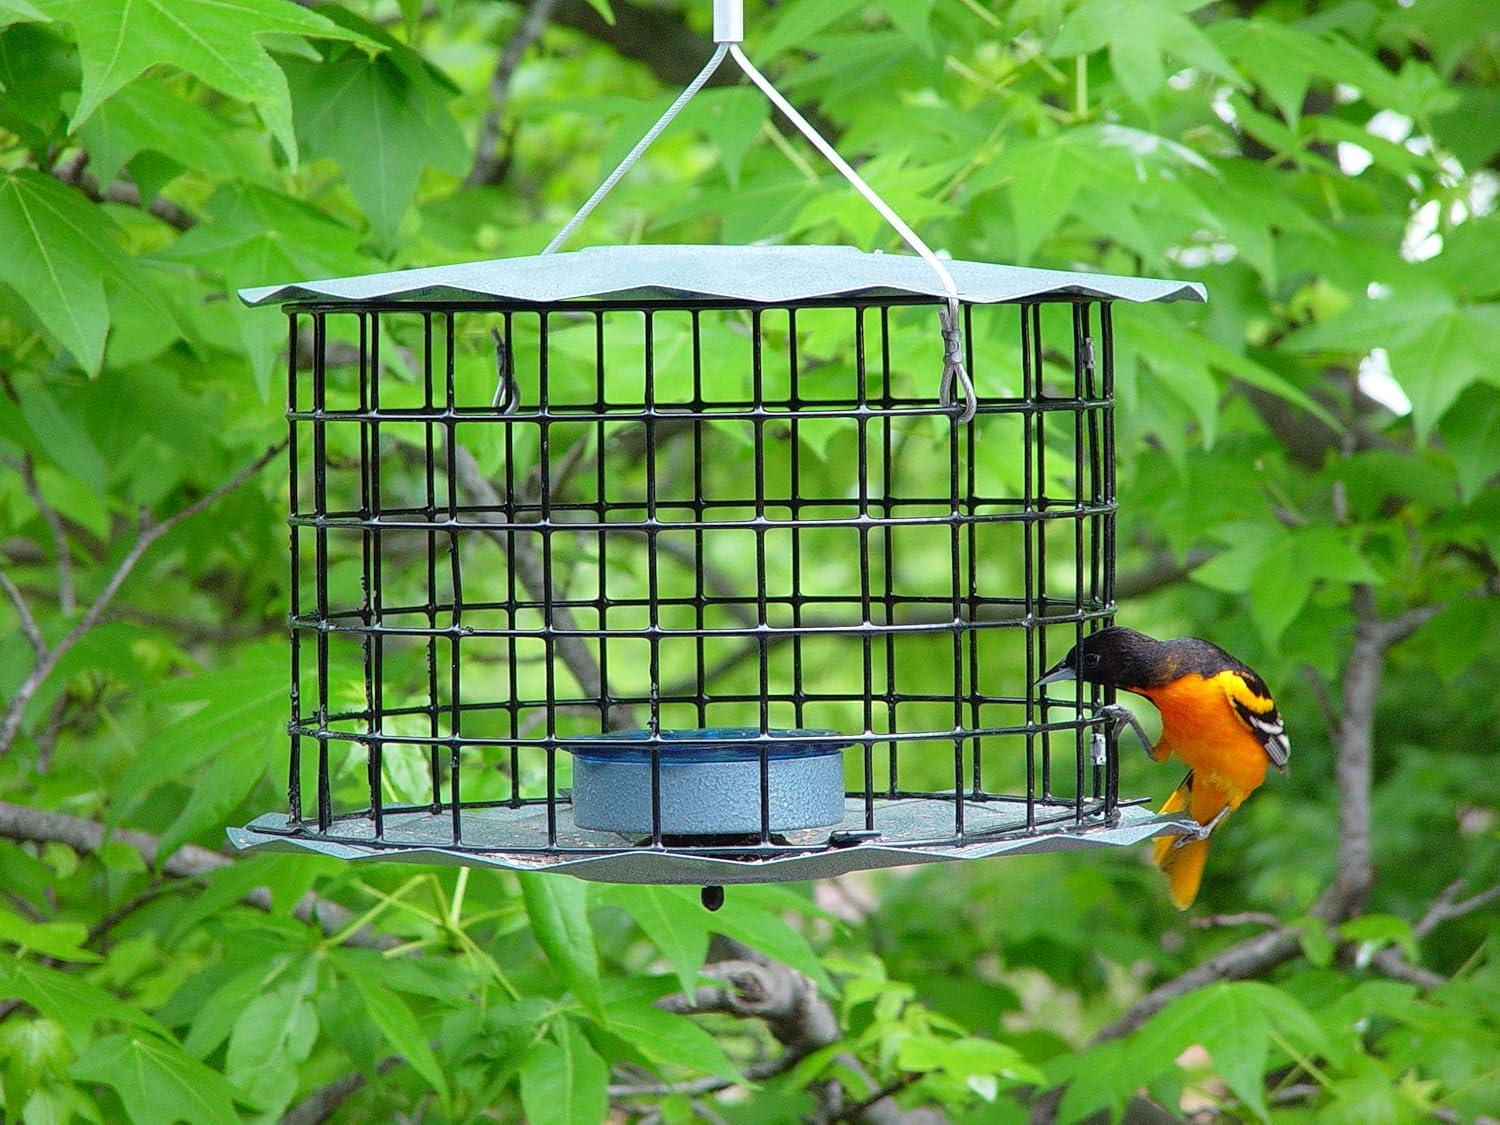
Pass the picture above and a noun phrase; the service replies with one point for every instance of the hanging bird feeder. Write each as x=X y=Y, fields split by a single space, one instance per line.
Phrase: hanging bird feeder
x=700 y=564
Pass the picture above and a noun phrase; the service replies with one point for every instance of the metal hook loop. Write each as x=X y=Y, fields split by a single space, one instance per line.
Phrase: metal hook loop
x=507 y=398
x=954 y=370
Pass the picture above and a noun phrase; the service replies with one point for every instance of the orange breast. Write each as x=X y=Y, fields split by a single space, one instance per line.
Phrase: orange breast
x=1199 y=726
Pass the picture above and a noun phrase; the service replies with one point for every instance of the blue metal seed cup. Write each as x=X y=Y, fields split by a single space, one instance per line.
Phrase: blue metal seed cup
x=710 y=781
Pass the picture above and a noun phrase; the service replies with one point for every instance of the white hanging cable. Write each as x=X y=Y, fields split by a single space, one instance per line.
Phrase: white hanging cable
x=953 y=364
x=640 y=147
x=728 y=28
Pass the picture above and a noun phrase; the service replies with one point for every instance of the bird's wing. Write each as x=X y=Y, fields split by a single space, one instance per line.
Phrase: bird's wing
x=1252 y=703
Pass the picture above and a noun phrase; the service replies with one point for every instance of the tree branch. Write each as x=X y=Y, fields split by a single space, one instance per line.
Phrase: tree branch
x=29 y=629
x=73 y=173
x=320 y=1105
x=529 y=571
x=1249 y=958
x=148 y=534
x=1353 y=741
x=488 y=167
x=755 y=987
x=653 y=36
x=696 y=1087
x=1390 y=962
x=40 y=826
x=65 y=598
x=1445 y=909
x=1248 y=918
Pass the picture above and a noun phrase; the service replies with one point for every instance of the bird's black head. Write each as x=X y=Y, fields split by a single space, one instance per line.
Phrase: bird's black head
x=1115 y=657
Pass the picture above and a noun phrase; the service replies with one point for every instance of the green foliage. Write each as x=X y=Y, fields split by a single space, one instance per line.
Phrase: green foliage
x=1324 y=434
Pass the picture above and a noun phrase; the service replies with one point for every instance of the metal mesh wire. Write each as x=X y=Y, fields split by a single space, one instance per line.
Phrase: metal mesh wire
x=694 y=514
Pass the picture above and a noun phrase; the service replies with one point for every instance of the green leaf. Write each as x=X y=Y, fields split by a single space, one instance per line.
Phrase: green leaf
x=381 y=119
x=56 y=248
x=674 y=921
x=1471 y=431
x=227 y=781
x=1044 y=178
x=558 y=908
x=1460 y=634
x=62 y=941
x=1284 y=60
x=400 y=1028
x=732 y=118
x=563 y=1080
x=1397 y=315
x=147 y=116
x=1139 y=33
x=1233 y=1022
x=668 y=1038
x=64 y=439
x=19 y=11
x=797 y=22
x=1248 y=371
x=218 y=41
x=914 y=18
x=762 y=930
x=966 y=1058
x=606 y=13
x=1380 y=930
x=158 y=1080
x=1103 y=1077
x=254 y=236
x=1317 y=947
x=1436 y=365
x=273 y=1035
x=221 y=1009
x=70 y=1000
x=31 y=1048
x=210 y=711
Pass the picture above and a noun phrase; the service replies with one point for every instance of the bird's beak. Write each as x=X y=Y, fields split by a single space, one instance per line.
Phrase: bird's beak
x=1058 y=675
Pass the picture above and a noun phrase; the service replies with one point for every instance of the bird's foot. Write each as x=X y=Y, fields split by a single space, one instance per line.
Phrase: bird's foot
x=1203 y=832
x=1122 y=717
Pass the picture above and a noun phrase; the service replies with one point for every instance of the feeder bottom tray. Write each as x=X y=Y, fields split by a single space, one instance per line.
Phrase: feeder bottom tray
x=709 y=782
x=511 y=837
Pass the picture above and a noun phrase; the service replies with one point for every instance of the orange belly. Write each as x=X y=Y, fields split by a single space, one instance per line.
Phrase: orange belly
x=1199 y=726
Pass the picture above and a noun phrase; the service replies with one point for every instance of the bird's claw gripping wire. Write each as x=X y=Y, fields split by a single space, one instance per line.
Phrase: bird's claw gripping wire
x=1203 y=831
x=1121 y=717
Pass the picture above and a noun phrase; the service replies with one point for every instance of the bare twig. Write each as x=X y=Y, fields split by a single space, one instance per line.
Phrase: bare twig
x=488 y=166
x=529 y=571
x=1390 y=962
x=320 y=1105
x=1354 y=742
x=73 y=172
x=1447 y=907
x=696 y=1087
x=1248 y=918
x=1325 y=700
x=29 y=628
x=1249 y=958
x=754 y=987
x=65 y=598
x=148 y=534
x=1398 y=629
x=18 y=822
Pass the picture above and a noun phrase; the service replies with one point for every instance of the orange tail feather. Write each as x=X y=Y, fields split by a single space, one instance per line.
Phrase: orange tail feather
x=1182 y=864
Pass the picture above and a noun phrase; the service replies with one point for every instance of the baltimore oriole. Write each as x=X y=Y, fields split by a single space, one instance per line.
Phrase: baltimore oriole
x=1216 y=715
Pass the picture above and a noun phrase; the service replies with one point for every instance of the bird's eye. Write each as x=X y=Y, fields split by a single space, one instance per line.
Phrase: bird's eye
x=1091 y=660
